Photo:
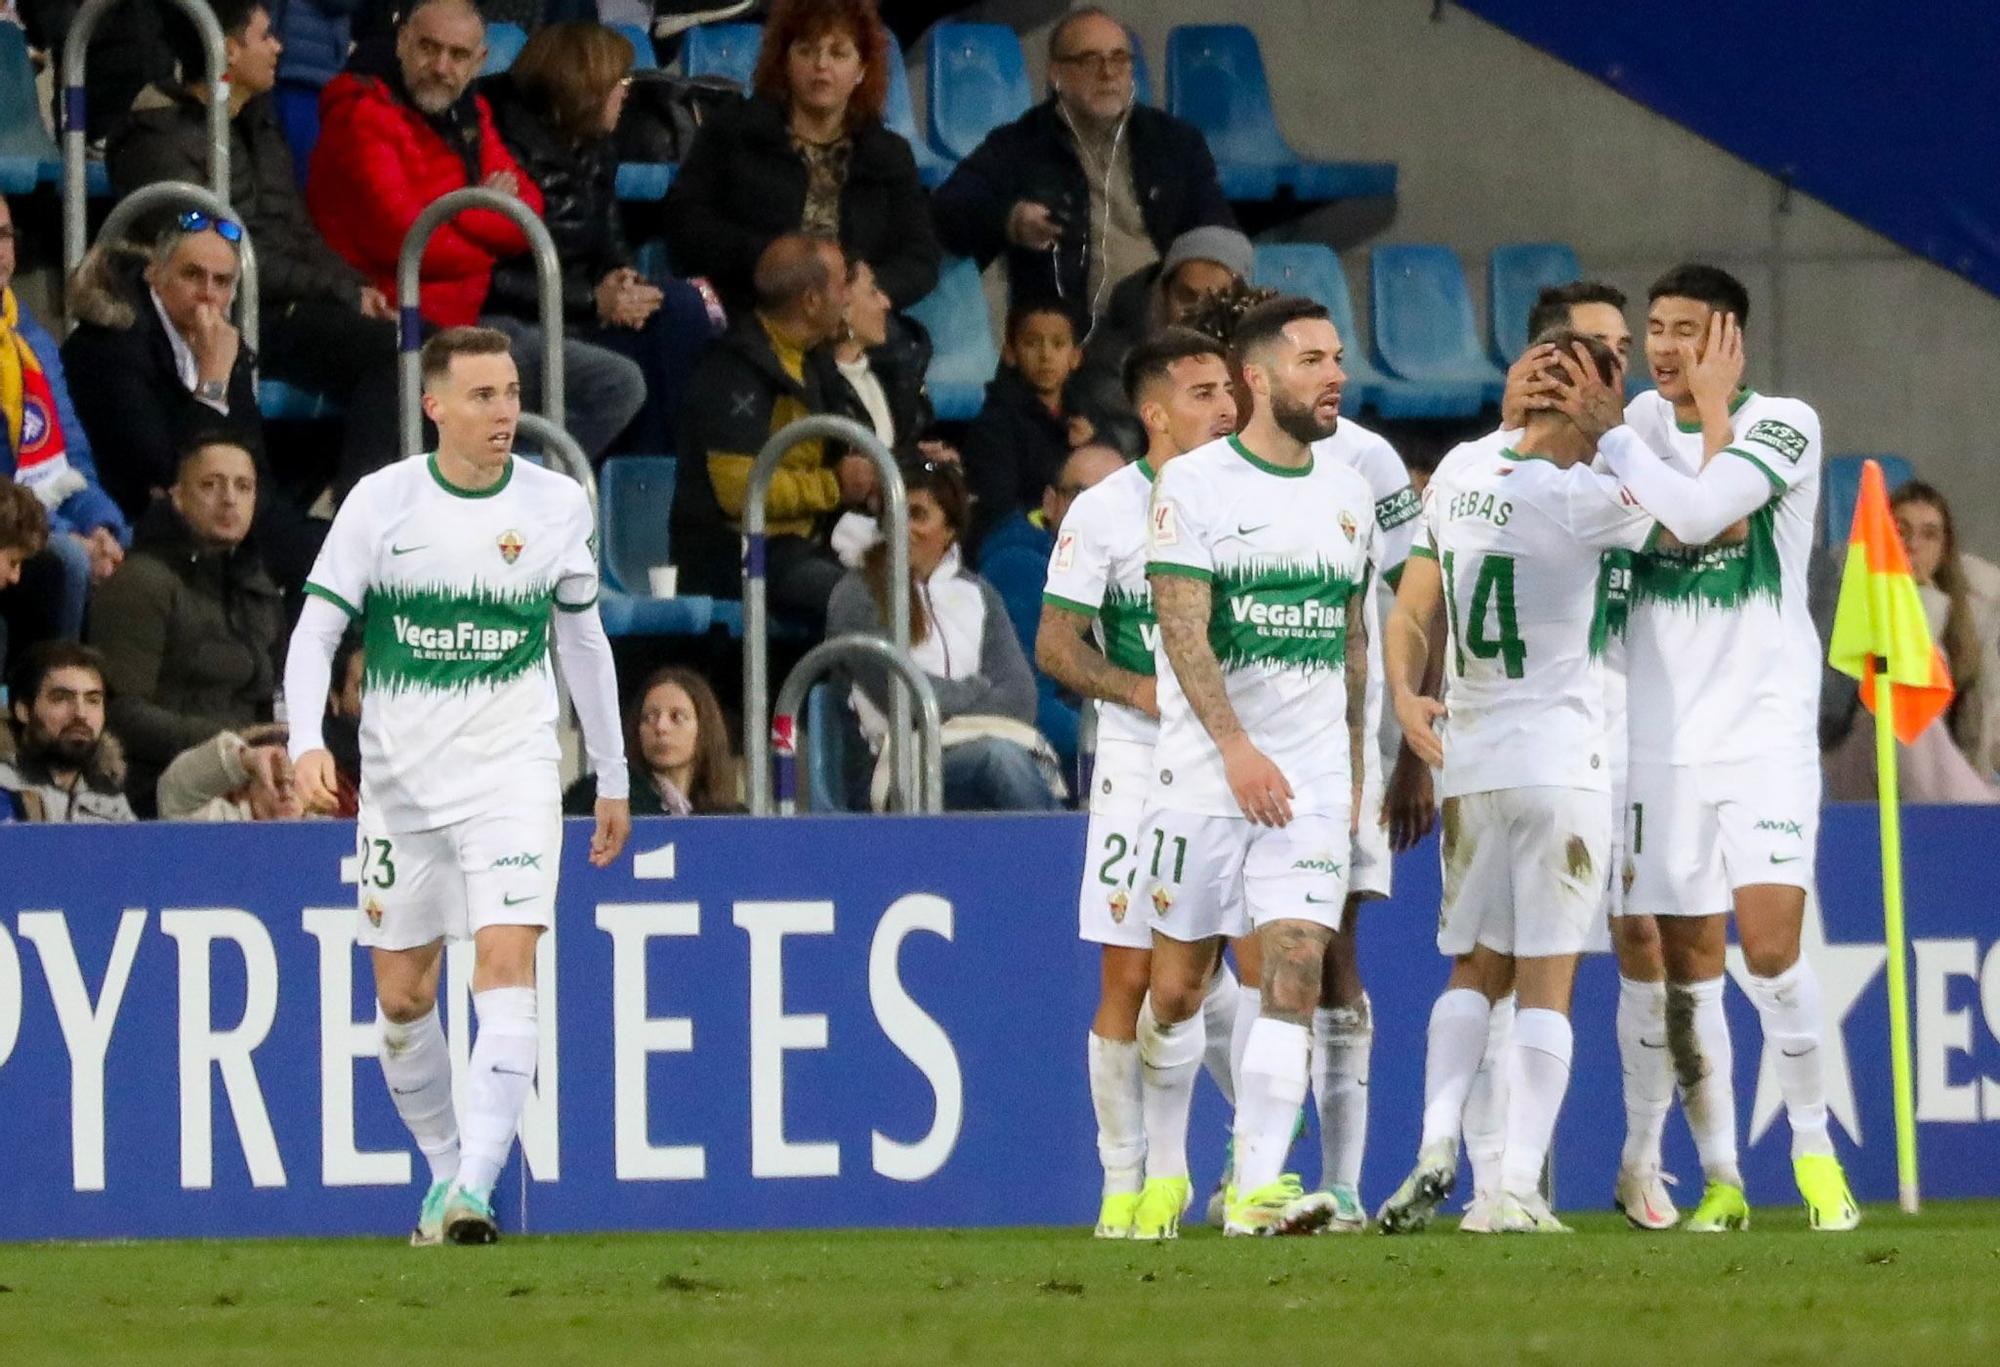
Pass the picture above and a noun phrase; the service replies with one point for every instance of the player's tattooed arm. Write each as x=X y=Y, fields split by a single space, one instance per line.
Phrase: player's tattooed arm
x=1293 y=953
x=1064 y=654
x=1182 y=605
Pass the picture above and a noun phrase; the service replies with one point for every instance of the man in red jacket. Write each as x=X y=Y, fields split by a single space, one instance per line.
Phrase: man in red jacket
x=400 y=129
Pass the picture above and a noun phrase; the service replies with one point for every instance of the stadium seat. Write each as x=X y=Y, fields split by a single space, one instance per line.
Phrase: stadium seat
x=1312 y=270
x=899 y=115
x=727 y=50
x=634 y=494
x=1425 y=333
x=281 y=402
x=643 y=58
x=978 y=80
x=1142 y=74
x=503 y=44
x=1216 y=81
x=963 y=356
x=642 y=181
x=1515 y=274
x=26 y=148
x=1841 y=486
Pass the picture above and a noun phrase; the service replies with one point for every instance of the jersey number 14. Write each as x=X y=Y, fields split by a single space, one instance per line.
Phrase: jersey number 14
x=1492 y=596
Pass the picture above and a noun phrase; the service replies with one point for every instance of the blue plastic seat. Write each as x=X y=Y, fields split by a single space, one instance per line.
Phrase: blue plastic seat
x=1425 y=333
x=635 y=494
x=25 y=144
x=899 y=116
x=1308 y=269
x=978 y=80
x=728 y=50
x=1142 y=73
x=643 y=181
x=643 y=58
x=963 y=356
x=282 y=402
x=1216 y=81
x=1840 y=487
x=503 y=44
x=1516 y=273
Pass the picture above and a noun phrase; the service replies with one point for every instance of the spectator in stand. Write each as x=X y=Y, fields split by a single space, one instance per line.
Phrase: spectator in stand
x=1032 y=418
x=556 y=109
x=960 y=636
x=140 y=42
x=65 y=765
x=189 y=624
x=1088 y=186
x=807 y=152
x=324 y=327
x=1970 y=637
x=24 y=533
x=342 y=727
x=47 y=451
x=401 y=128
x=233 y=777
x=678 y=748
x=755 y=381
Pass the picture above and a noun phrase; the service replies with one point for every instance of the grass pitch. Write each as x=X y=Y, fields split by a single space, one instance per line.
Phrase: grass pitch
x=1919 y=1291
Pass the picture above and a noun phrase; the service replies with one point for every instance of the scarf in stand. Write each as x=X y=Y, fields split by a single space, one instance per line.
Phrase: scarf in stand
x=34 y=432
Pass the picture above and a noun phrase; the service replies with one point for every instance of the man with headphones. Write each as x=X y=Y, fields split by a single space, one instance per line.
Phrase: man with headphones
x=1088 y=186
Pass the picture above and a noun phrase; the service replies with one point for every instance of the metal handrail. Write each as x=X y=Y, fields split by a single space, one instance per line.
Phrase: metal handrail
x=76 y=45
x=756 y=607
x=824 y=658
x=562 y=449
x=147 y=198
x=548 y=280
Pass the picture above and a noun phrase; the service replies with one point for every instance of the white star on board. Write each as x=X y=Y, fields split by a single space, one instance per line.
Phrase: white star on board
x=1845 y=971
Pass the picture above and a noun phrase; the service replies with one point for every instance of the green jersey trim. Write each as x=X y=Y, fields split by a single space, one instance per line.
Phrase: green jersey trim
x=1418 y=552
x=1281 y=471
x=1725 y=577
x=1743 y=396
x=445 y=638
x=318 y=591
x=1056 y=600
x=1777 y=485
x=1509 y=453
x=1393 y=576
x=584 y=606
x=1288 y=614
x=1146 y=469
x=460 y=491
x=1184 y=571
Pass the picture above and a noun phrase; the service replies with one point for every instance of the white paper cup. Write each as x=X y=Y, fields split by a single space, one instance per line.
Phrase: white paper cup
x=664 y=580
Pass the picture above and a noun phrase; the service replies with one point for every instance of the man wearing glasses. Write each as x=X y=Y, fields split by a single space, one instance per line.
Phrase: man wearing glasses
x=1088 y=186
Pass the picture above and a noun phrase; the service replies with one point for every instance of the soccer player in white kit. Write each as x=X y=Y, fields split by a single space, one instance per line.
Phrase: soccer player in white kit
x=1178 y=384
x=1258 y=556
x=1724 y=678
x=1514 y=544
x=455 y=565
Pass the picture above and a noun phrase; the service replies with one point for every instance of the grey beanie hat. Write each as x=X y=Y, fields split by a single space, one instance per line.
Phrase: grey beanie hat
x=1226 y=247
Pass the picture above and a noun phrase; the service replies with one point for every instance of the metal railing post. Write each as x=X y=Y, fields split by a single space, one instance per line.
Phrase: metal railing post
x=562 y=450
x=162 y=193
x=756 y=605
x=822 y=659
x=548 y=280
x=76 y=44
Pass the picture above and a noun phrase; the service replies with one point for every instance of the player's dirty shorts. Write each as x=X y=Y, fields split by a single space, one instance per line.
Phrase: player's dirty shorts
x=1203 y=876
x=448 y=883
x=1369 y=872
x=1107 y=913
x=1524 y=870
x=1696 y=832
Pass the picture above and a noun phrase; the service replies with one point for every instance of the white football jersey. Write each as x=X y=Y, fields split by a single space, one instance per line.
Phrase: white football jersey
x=1724 y=661
x=453 y=589
x=1521 y=544
x=1098 y=568
x=1283 y=552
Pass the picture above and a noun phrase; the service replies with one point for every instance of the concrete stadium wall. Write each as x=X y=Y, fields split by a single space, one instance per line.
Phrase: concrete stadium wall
x=1499 y=142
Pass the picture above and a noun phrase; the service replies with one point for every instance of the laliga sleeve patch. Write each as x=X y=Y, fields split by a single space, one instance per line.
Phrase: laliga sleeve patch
x=1166 y=529
x=1066 y=552
x=1781 y=437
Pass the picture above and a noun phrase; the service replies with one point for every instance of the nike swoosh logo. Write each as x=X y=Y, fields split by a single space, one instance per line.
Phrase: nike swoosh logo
x=403 y=550
x=511 y=1072
x=1250 y=531
x=1645 y=1043
x=1322 y=901
x=406 y=1091
x=1801 y=1053
x=516 y=901
x=1788 y=859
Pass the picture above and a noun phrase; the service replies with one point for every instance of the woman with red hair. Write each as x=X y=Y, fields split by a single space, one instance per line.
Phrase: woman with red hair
x=807 y=151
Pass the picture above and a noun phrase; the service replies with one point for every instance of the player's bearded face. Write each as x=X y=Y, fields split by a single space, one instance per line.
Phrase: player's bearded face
x=1305 y=403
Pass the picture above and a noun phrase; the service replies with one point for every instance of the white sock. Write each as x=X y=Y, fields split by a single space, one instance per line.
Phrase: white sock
x=1705 y=1067
x=1788 y=1006
x=496 y=1085
x=1117 y=1094
x=1272 y=1088
x=1457 y=1042
x=1486 y=1104
x=1249 y=1006
x=1648 y=1068
x=1537 y=1077
x=1343 y=1038
x=416 y=1062
x=1169 y=1058
x=1218 y=1025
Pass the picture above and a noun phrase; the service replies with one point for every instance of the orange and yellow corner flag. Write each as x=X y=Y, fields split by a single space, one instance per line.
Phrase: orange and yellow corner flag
x=1880 y=617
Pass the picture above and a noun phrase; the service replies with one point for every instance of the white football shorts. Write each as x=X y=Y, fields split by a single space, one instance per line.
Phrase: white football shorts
x=1697 y=832
x=1105 y=905
x=449 y=883
x=1373 y=865
x=1524 y=870
x=1200 y=877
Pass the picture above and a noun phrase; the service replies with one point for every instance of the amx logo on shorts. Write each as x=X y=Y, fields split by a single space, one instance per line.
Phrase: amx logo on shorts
x=1791 y=828
x=523 y=860
x=462 y=640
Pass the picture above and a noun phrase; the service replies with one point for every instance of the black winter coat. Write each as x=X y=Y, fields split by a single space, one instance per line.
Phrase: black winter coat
x=579 y=207
x=1013 y=450
x=167 y=139
x=899 y=365
x=1034 y=158
x=743 y=185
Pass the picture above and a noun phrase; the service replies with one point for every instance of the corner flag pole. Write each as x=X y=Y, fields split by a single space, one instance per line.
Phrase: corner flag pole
x=1897 y=943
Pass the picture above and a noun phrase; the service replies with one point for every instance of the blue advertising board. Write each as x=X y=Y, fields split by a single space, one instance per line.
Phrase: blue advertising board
x=840 y=1021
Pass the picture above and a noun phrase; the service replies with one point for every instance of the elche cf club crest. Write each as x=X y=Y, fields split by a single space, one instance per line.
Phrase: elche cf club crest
x=511 y=545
